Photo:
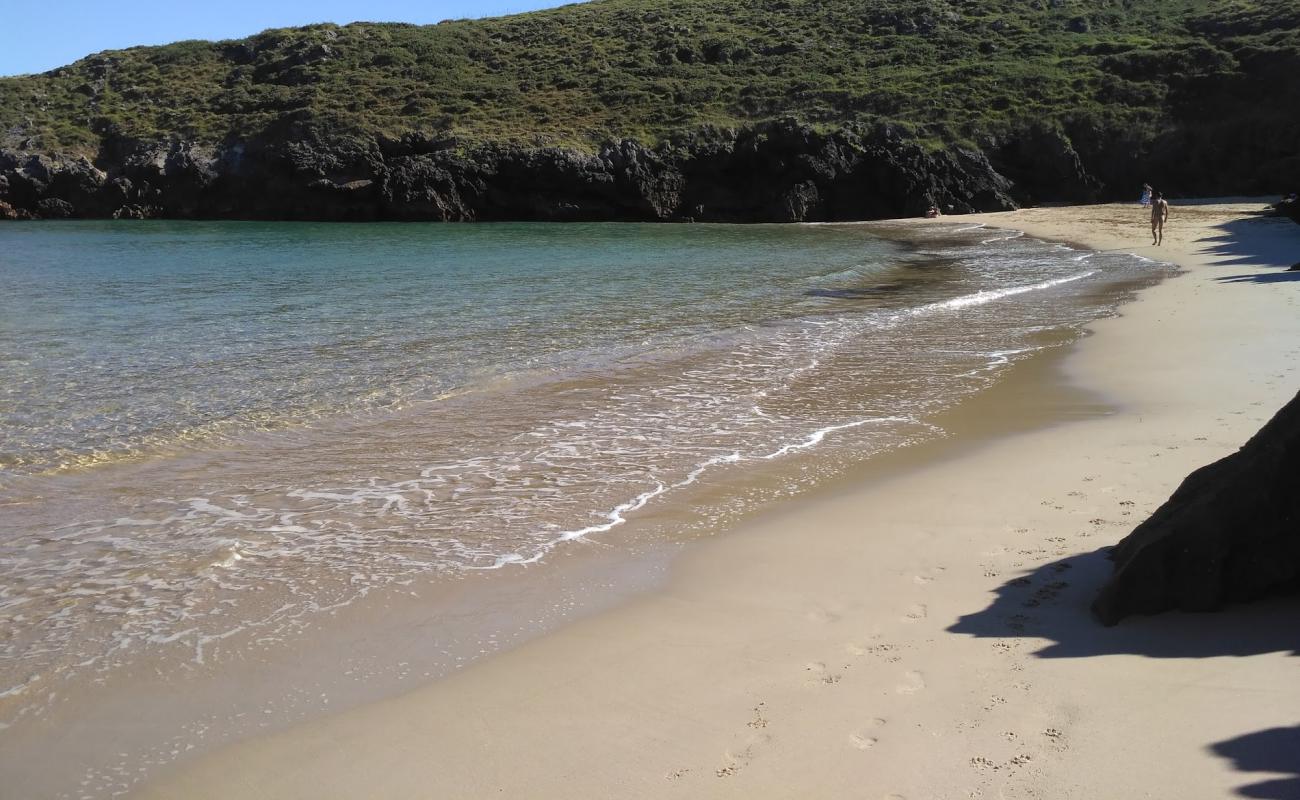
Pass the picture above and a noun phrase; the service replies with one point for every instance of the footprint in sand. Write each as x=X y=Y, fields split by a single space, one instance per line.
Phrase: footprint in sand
x=863 y=739
x=929 y=576
x=984 y=764
x=912 y=683
x=822 y=616
x=818 y=674
x=1017 y=622
x=1045 y=593
x=736 y=758
x=883 y=650
x=917 y=612
x=1056 y=739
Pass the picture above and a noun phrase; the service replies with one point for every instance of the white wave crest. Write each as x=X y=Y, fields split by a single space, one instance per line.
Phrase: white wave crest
x=990 y=295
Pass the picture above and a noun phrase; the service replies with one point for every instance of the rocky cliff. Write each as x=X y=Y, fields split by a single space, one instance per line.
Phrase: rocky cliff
x=736 y=110
x=773 y=172
x=1230 y=533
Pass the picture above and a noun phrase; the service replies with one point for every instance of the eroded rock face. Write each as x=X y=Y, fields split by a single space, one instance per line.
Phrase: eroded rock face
x=1230 y=533
x=776 y=172
x=1044 y=165
x=8 y=212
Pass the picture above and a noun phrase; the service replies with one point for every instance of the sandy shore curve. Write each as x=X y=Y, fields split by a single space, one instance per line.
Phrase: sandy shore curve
x=924 y=632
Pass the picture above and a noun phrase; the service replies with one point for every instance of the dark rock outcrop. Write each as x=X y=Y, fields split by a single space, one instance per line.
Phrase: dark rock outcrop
x=1289 y=208
x=8 y=212
x=1230 y=533
x=781 y=171
x=1043 y=164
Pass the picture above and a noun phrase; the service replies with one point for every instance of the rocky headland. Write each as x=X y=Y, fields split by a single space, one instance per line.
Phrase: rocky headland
x=659 y=110
x=775 y=172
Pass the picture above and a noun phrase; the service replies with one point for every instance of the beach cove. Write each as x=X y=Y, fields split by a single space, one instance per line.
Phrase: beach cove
x=253 y=473
x=702 y=445
x=650 y=399
x=921 y=633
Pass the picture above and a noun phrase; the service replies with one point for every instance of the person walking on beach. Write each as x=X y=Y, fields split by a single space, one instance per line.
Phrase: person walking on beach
x=1145 y=199
x=1159 y=213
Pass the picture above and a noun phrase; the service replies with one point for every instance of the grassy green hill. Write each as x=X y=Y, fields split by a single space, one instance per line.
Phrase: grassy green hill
x=954 y=71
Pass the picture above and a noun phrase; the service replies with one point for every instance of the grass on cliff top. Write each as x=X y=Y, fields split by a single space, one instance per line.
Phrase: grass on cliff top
x=580 y=75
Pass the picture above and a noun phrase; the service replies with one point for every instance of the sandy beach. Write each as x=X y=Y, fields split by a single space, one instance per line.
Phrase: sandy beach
x=921 y=631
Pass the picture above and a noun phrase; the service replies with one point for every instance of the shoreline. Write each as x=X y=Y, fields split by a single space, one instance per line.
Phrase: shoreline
x=206 y=691
x=742 y=651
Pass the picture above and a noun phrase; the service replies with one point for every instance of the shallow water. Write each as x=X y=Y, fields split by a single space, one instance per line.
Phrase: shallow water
x=213 y=434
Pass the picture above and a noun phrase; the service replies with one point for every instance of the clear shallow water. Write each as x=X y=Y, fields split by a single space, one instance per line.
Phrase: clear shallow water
x=120 y=340
x=214 y=433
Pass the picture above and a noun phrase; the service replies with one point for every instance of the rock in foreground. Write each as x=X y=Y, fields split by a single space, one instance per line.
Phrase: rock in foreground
x=1230 y=533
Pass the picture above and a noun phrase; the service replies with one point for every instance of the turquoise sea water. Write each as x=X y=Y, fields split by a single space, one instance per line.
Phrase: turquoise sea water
x=214 y=433
x=120 y=339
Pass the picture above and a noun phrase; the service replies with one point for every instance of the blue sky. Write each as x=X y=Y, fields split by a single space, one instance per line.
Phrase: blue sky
x=38 y=36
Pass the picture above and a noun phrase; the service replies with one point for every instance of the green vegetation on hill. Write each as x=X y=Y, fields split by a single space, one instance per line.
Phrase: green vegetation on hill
x=950 y=70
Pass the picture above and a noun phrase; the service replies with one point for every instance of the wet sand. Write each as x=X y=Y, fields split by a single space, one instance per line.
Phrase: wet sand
x=920 y=631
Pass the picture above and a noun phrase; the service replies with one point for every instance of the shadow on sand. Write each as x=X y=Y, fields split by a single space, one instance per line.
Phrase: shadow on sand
x=1275 y=750
x=1259 y=242
x=1051 y=602
x=1261 y=277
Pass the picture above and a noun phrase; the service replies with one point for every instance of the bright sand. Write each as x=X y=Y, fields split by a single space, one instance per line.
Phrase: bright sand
x=921 y=631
